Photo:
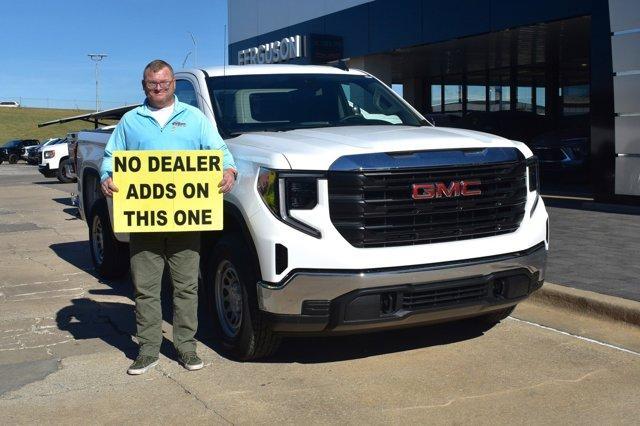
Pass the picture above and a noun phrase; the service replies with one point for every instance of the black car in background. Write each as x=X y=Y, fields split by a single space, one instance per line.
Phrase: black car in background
x=12 y=150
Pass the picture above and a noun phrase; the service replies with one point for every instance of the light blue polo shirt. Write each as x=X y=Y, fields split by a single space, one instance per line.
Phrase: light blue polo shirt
x=187 y=129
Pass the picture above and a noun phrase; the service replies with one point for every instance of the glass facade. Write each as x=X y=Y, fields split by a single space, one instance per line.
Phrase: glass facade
x=530 y=84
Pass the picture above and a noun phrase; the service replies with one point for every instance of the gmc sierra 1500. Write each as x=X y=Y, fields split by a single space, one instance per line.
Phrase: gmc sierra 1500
x=351 y=212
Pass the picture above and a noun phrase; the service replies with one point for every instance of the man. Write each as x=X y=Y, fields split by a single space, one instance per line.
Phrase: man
x=164 y=123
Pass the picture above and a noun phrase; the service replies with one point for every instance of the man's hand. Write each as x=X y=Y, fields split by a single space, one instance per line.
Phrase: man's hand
x=108 y=188
x=228 y=179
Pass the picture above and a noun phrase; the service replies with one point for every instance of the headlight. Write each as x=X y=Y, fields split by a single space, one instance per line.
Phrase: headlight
x=285 y=191
x=534 y=173
x=49 y=154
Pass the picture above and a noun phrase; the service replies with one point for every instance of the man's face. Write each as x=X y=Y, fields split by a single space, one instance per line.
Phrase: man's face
x=159 y=87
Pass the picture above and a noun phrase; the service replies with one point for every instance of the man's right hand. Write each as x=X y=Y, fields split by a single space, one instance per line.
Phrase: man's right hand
x=108 y=188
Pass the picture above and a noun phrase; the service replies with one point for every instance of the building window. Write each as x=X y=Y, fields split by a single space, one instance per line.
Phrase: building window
x=541 y=101
x=575 y=100
x=524 y=98
x=453 y=98
x=436 y=98
x=476 y=98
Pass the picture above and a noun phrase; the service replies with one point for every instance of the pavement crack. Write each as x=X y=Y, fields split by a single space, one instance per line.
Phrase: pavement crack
x=501 y=392
x=193 y=395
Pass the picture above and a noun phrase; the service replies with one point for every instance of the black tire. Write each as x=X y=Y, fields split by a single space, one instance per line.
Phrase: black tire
x=495 y=317
x=246 y=336
x=13 y=158
x=63 y=170
x=110 y=256
x=1 y=160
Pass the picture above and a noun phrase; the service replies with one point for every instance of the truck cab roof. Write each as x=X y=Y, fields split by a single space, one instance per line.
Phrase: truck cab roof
x=274 y=69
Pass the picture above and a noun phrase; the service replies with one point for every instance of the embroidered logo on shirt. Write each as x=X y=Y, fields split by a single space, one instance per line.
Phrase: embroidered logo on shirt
x=178 y=124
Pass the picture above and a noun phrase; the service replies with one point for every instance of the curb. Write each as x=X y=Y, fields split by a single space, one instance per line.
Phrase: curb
x=588 y=302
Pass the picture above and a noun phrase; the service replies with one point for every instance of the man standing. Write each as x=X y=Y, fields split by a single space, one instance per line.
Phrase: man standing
x=164 y=123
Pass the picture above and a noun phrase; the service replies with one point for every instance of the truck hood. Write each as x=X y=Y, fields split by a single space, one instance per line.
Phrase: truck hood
x=317 y=149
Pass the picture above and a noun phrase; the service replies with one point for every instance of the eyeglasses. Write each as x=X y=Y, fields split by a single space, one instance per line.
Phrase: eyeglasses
x=162 y=84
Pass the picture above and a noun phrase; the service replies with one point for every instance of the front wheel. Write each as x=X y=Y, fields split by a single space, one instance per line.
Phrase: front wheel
x=13 y=159
x=110 y=256
x=64 y=171
x=230 y=280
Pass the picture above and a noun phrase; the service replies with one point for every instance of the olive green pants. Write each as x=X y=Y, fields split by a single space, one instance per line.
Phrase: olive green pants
x=149 y=252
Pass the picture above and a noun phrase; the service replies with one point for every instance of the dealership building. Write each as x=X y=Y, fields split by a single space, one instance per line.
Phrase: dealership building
x=563 y=76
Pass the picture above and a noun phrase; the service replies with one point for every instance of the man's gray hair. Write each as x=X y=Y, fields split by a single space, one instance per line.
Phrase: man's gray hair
x=155 y=66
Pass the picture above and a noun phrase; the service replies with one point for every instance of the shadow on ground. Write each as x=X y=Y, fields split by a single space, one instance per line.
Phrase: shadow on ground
x=77 y=254
x=307 y=350
x=73 y=212
x=65 y=201
x=115 y=324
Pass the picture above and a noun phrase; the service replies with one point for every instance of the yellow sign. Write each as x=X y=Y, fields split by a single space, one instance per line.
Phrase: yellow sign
x=167 y=191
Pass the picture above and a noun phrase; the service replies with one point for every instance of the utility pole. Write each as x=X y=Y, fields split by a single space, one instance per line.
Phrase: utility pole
x=195 y=49
x=97 y=57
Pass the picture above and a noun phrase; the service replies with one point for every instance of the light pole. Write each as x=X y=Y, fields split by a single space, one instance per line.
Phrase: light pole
x=97 y=57
x=185 y=60
x=195 y=49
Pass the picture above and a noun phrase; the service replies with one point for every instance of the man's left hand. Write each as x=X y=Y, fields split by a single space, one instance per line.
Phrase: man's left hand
x=228 y=179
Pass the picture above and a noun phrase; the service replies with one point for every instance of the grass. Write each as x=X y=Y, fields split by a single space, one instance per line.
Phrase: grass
x=22 y=123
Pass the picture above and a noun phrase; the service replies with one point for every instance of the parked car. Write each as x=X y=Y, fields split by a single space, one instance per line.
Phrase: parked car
x=564 y=150
x=33 y=153
x=12 y=150
x=55 y=161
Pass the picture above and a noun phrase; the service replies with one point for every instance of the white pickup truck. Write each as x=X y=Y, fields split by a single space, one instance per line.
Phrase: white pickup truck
x=351 y=212
x=55 y=160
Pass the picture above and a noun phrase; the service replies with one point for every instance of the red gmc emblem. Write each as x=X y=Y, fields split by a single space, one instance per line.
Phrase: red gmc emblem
x=427 y=191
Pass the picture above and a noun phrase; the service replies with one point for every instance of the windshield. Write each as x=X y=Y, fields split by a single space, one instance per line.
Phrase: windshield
x=258 y=103
x=11 y=144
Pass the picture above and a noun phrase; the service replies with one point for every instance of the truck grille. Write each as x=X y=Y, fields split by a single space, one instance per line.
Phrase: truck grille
x=428 y=298
x=376 y=208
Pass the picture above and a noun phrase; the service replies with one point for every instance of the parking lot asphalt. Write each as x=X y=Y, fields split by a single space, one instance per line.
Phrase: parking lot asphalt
x=66 y=341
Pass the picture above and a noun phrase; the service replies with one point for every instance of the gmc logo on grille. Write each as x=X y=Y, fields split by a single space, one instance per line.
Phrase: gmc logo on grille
x=462 y=188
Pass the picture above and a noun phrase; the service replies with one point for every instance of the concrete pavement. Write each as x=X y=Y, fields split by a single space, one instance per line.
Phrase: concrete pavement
x=66 y=341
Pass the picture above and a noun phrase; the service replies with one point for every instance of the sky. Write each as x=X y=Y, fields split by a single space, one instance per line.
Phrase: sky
x=44 y=46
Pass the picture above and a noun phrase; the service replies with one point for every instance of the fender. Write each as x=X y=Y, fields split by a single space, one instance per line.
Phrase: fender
x=233 y=221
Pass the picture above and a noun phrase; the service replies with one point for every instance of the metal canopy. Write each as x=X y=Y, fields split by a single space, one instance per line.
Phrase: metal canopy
x=95 y=117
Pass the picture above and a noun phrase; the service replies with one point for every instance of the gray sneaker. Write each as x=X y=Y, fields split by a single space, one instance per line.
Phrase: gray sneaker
x=142 y=364
x=191 y=361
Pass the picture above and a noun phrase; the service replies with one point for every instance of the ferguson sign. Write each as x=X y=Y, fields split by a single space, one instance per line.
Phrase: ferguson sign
x=271 y=53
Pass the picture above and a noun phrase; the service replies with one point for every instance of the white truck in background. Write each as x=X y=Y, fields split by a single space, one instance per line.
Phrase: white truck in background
x=56 y=162
x=351 y=213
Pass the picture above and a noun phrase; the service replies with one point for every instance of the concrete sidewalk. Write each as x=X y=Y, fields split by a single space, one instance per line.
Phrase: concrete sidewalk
x=587 y=302
x=594 y=247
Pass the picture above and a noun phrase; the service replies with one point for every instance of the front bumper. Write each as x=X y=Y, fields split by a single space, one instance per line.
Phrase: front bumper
x=344 y=301
x=46 y=171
